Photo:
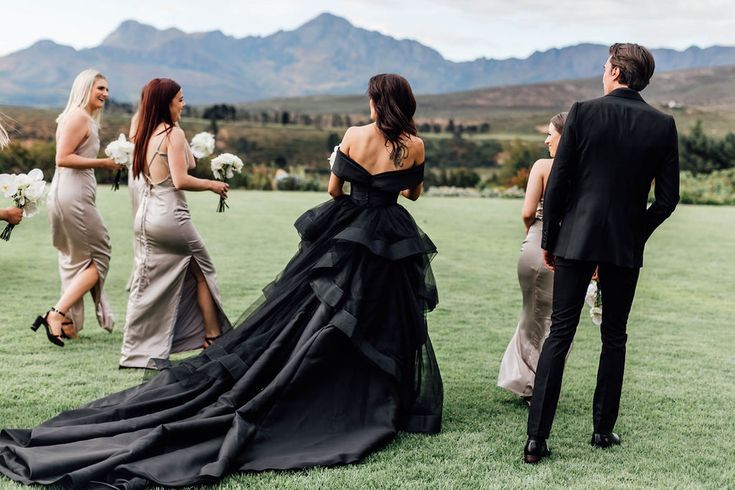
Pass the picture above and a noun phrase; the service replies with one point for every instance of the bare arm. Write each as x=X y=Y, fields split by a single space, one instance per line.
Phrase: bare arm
x=12 y=215
x=178 y=160
x=71 y=135
x=335 y=187
x=534 y=191
x=415 y=192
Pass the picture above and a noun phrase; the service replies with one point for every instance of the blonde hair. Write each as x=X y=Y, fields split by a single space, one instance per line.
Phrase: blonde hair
x=4 y=138
x=80 y=93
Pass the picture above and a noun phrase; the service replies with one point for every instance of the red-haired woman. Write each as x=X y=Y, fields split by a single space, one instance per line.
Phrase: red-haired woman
x=174 y=303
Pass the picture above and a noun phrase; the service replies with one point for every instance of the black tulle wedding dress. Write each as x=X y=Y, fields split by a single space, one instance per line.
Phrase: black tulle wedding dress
x=326 y=368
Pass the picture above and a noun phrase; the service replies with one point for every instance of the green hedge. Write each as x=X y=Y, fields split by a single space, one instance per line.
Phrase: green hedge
x=717 y=187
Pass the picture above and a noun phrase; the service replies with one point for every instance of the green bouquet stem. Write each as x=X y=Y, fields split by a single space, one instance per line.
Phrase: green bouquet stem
x=222 y=203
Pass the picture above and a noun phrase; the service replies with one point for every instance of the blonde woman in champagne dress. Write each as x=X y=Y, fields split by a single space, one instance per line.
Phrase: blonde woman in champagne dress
x=518 y=367
x=77 y=229
x=174 y=303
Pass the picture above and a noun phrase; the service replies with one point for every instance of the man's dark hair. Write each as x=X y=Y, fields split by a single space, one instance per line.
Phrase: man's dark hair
x=635 y=63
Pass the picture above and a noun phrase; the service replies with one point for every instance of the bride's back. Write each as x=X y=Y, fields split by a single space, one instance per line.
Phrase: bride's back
x=367 y=146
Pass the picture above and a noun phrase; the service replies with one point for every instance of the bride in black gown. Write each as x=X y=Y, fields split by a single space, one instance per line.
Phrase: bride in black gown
x=324 y=369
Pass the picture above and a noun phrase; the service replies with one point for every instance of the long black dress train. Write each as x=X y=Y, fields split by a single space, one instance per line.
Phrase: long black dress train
x=327 y=367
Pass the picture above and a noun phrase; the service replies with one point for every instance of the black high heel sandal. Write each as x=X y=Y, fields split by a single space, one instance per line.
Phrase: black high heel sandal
x=43 y=320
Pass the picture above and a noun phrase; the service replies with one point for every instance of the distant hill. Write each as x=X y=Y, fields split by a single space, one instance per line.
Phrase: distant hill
x=704 y=88
x=326 y=55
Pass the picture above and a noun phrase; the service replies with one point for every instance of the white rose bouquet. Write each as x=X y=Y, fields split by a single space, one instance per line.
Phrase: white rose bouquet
x=593 y=298
x=25 y=191
x=202 y=144
x=224 y=167
x=333 y=156
x=120 y=150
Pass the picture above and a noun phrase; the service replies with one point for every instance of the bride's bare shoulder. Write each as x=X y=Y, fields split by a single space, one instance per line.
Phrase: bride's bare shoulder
x=416 y=149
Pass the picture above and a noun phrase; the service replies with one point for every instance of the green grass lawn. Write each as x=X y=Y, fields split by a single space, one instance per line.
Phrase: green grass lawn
x=679 y=395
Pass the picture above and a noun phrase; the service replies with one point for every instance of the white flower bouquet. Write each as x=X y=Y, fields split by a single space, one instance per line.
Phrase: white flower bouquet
x=333 y=156
x=593 y=298
x=202 y=144
x=26 y=191
x=120 y=150
x=224 y=167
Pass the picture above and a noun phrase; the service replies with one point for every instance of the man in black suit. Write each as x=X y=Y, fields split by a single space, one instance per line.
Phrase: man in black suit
x=596 y=215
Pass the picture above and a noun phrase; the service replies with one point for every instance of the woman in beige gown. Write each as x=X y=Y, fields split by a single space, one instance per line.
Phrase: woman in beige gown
x=174 y=303
x=518 y=367
x=77 y=229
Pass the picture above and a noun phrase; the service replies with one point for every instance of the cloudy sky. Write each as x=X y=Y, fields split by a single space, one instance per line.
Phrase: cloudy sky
x=459 y=29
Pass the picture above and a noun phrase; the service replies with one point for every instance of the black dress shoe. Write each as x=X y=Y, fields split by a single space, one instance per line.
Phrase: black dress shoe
x=605 y=440
x=535 y=450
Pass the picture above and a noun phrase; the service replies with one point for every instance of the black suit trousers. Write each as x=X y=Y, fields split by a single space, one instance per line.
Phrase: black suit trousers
x=617 y=286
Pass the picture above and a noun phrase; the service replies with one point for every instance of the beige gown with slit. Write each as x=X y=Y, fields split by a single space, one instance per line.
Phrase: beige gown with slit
x=77 y=229
x=518 y=367
x=163 y=315
x=134 y=191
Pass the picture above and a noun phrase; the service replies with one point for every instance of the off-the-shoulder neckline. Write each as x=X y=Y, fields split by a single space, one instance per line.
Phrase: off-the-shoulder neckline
x=349 y=159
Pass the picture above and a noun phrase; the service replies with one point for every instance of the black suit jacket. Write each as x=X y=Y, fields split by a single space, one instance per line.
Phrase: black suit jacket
x=595 y=204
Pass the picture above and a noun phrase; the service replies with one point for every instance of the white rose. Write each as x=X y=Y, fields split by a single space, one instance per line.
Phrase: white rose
x=333 y=156
x=120 y=150
x=202 y=144
x=23 y=181
x=8 y=185
x=34 y=192
x=217 y=164
x=591 y=295
x=35 y=175
x=225 y=164
x=596 y=315
x=30 y=209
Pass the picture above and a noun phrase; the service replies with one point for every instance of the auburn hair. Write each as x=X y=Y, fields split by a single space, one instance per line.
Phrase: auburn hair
x=154 y=109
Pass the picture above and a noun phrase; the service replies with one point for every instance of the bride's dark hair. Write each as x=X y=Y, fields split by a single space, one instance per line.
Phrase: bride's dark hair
x=154 y=108
x=395 y=106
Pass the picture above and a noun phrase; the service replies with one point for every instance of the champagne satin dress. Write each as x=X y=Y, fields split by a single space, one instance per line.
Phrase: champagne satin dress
x=518 y=367
x=163 y=314
x=77 y=229
x=134 y=191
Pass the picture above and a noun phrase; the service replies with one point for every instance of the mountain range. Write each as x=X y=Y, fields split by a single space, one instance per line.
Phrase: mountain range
x=327 y=55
